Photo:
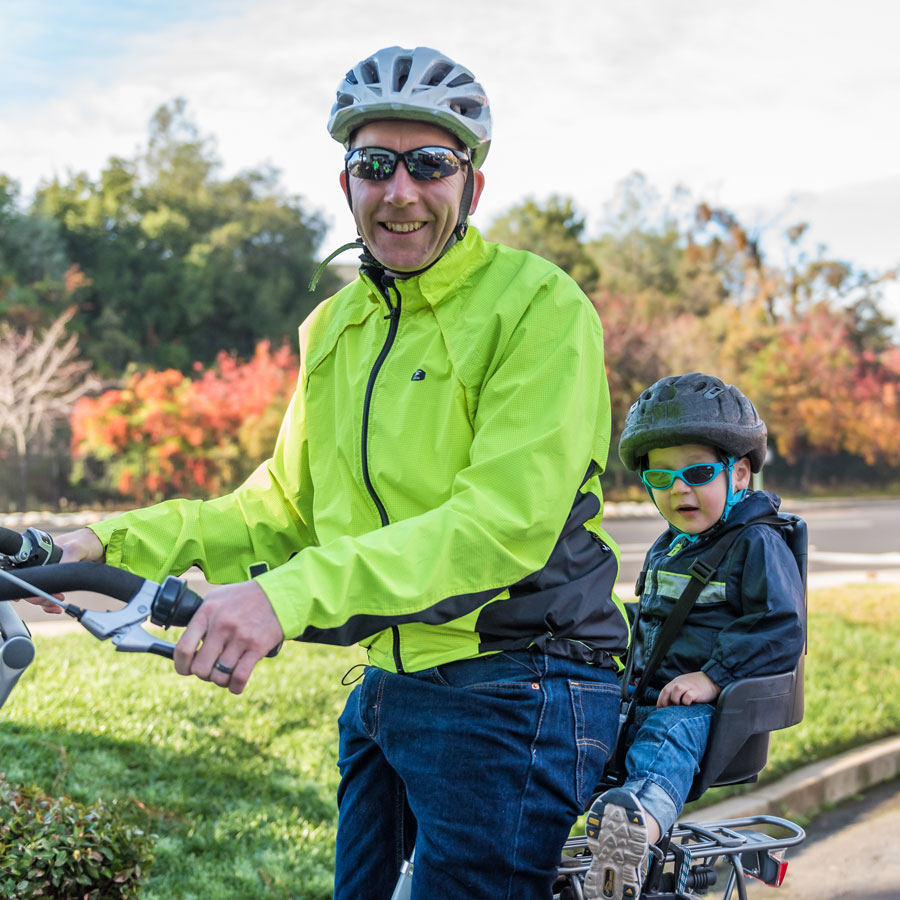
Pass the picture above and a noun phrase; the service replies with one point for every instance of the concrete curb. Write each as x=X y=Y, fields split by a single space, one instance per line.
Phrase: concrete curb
x=811 y=788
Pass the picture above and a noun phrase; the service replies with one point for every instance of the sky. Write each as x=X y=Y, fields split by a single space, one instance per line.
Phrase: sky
x=780 y=110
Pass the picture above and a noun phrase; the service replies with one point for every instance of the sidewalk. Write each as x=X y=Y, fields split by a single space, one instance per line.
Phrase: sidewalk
x=810 y=789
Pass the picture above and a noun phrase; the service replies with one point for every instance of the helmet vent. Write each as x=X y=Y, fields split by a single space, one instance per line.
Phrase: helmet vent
x=436 y=74
x=464 y=78
x=713 y=392
x=351 y=77
x=401 y=72
x=469 y=110
x=369 y=72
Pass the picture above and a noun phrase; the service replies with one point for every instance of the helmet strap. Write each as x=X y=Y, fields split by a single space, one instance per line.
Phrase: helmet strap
x=732 y=498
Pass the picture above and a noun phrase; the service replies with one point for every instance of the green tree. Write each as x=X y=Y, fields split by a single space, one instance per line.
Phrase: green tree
x=33 y=263
x=182 y=262
x=553 y=231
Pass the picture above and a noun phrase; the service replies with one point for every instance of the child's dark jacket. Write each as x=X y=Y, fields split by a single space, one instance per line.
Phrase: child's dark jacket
x=747 y=621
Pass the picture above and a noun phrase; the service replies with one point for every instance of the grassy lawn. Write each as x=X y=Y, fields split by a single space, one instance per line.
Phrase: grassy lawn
x=240 y=790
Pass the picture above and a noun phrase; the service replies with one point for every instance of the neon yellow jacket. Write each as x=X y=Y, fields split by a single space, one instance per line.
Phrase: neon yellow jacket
x=434 y=491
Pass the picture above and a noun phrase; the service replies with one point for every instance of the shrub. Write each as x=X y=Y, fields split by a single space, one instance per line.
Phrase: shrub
x=164 y=434
x=57 y=848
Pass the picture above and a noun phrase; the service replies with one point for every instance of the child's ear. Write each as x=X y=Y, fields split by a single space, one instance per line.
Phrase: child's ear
x=741 y=474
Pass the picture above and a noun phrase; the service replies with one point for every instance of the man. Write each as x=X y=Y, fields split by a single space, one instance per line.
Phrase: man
x=434 y=495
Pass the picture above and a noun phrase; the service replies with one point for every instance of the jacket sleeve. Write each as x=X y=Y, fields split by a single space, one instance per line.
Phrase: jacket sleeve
x=542 y=416
x=265 y=520
x=767 y=638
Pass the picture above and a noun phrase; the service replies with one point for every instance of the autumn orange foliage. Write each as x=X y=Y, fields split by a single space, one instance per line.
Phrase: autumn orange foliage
x=165 y=434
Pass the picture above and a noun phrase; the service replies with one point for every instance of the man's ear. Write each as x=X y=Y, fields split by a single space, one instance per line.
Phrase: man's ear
x=344 y=184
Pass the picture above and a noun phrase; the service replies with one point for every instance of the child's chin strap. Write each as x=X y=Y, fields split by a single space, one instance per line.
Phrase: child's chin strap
x=733 y=497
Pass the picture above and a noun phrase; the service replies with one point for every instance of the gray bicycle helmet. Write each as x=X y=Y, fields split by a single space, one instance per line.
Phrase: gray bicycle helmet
x=693 y=409
x=420 y=84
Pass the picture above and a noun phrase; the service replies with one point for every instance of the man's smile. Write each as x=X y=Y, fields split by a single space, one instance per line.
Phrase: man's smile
x=403 y=227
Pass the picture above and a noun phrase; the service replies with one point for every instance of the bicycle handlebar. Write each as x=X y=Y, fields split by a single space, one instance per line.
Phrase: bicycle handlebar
x=32 y=555
x=77 y=576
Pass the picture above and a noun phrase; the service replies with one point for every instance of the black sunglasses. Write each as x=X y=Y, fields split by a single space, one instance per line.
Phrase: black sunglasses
x=423 y=163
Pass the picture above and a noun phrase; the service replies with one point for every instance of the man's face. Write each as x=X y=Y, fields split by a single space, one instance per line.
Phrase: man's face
x=405 y=223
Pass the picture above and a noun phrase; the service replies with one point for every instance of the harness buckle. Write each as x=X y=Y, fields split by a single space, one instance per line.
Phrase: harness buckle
x=701 y=570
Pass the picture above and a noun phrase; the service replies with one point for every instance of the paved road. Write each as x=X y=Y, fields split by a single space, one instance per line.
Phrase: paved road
x=849 y=540
x=851 y=853
x=851 y=537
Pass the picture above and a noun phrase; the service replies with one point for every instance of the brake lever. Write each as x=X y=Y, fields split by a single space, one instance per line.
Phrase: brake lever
x=123 y=626
x=171 y=603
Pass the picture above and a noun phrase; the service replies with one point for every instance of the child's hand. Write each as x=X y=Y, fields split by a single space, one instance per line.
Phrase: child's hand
x=694 y=687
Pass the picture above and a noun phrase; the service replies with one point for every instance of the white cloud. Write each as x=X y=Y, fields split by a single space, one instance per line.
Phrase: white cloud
x=748 y=104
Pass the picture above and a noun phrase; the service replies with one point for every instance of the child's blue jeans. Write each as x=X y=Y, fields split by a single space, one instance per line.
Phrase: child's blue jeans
x=482 y=764
x=665 y=748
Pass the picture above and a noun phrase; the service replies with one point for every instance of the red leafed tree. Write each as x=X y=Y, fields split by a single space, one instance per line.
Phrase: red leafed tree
x=821 y=394
x=164 y=434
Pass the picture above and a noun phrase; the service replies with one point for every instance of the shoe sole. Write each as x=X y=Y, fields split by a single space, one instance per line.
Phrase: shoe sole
x=617 y=838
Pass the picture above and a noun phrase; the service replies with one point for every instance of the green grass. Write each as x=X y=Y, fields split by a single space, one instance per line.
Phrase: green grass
x=240 y=790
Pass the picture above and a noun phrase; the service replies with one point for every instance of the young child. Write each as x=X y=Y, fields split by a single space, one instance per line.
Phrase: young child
x=695 y=442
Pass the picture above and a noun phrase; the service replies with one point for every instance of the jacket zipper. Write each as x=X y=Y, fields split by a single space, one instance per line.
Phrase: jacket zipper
x=387 y=282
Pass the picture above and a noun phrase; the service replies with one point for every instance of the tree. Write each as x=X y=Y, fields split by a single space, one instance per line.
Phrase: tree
x=553 y=231
x=40 y=380
x=166 y=434
x=33 y=263
x=182 y=262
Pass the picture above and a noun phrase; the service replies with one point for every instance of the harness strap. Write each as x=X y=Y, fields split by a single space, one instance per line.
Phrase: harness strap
x=701 y=571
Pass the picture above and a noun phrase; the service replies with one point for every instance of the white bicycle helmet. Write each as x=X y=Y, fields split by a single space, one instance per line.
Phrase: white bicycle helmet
x=420 y=84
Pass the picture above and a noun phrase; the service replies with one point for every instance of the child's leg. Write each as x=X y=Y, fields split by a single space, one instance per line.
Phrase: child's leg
x=661 y=763
x=664 y=758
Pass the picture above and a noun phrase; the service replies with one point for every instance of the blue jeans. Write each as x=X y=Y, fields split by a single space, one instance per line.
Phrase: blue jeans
x=482 y=764
x=665 y=748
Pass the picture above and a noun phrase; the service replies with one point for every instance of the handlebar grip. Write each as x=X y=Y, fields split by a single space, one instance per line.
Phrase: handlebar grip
x=174 y=606
x=32 y=547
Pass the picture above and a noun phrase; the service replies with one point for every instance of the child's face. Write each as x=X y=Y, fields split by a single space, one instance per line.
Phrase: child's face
x=694 y=508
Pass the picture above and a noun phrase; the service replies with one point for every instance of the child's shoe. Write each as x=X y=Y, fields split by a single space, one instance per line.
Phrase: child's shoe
x=617 y=838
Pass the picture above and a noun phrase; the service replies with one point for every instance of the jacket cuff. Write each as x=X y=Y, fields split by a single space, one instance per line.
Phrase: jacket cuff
x=716 y=672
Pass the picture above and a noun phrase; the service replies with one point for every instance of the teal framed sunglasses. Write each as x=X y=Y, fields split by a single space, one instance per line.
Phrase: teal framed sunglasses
x=696 y=475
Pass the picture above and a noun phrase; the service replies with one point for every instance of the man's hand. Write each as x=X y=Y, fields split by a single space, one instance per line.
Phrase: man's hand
x=237 y=627
x=694 y=687
x=77 y=546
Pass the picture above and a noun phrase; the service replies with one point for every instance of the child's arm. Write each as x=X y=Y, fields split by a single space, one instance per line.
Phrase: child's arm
x=692 y=687
x=767 y=638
